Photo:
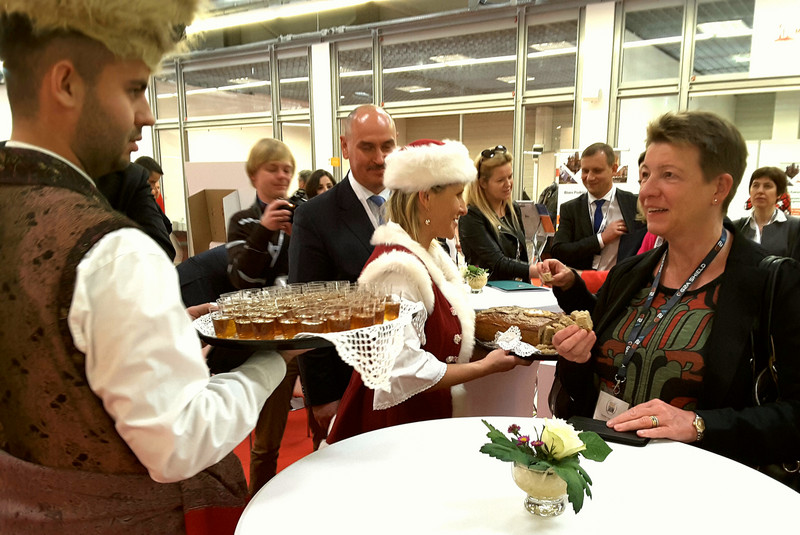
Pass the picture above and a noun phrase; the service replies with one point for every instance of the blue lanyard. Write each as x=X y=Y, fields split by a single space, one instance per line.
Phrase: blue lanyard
x=638 y=333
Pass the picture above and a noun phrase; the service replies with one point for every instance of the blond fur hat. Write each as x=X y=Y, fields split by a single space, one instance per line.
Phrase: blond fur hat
x=130 y=29
x=426 y=163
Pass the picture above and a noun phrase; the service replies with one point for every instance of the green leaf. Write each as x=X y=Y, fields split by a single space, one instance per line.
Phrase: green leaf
x=575 y=485
x=596 y=447
x=505 y=453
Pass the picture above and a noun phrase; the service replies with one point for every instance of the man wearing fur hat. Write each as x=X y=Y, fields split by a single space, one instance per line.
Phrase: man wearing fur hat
x=427 y=180
x=331 y=241
x=109 y=421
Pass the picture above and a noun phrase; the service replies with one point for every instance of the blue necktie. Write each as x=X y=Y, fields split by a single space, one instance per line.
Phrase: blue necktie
x=598 y=214
x=378 y=201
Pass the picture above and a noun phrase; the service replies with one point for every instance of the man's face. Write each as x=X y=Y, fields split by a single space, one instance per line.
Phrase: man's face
x=372 y=136
x=112 y=116
x=155 y=183
x=596 y=174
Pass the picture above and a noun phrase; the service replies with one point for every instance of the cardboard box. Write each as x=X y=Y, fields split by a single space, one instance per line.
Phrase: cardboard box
x=209 y=213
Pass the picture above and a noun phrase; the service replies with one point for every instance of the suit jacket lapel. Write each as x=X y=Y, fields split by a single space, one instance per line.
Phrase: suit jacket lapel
x=584 y=221
x=352 y=214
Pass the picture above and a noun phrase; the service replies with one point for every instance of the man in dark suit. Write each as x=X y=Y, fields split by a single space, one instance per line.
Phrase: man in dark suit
x=331 y=241
x=598 y=228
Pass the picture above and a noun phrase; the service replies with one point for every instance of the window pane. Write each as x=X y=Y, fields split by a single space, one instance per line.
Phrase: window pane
x=355 y=76
x=723 y=36
x=297 y=135
x=166 y=95
x=651 y=45
x=634 y=116
x=548 y=130
x=229 y=90
x=463 y=65
x=552 y=55
x=224 y=143
x=293 y=73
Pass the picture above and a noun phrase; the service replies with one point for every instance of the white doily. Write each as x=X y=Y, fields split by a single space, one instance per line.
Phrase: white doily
x=511 y=340
x=371 y=351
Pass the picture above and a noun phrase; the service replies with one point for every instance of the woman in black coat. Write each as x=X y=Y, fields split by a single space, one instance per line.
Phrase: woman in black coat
x=492 y=234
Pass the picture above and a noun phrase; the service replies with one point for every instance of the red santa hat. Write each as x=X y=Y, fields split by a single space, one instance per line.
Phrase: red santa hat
x=426 y=163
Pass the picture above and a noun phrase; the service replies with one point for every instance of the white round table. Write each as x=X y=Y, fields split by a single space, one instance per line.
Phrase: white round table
x=430 y=478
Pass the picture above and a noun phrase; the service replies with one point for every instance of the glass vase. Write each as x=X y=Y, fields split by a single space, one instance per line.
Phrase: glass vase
x=476 y=284
x=547 y=493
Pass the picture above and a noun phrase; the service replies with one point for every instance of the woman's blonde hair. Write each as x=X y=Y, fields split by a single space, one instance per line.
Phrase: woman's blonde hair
x=403 y=208
x=476 y=195
x=268 y=150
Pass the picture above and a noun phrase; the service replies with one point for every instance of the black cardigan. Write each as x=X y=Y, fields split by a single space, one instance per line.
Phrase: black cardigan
x=483 y=248
x=735 y=427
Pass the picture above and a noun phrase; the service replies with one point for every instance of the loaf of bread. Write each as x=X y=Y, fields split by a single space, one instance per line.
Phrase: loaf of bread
x=536 y=326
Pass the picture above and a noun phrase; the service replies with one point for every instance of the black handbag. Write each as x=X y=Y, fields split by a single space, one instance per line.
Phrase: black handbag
x=765 y=368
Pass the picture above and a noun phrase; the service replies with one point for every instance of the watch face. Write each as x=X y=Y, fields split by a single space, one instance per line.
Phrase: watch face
x=700 y=424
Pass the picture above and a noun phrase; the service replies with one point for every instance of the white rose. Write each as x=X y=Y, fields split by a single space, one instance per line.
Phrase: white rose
x=561 y=438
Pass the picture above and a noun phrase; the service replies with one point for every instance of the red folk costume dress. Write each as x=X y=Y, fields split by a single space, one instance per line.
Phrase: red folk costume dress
x=449 y=336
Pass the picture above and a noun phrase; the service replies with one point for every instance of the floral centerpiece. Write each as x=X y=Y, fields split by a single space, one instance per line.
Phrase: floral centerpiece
x=556 y=449
x=475 y=277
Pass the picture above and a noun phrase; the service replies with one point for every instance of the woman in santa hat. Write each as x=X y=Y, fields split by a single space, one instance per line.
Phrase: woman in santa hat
x=427 y=179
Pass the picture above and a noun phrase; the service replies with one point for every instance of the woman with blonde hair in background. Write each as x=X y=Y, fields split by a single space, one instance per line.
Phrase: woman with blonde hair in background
x=492 y=234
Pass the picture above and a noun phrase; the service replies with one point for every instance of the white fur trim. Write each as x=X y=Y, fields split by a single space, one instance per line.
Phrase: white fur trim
x=439 y=267
x=419 y=168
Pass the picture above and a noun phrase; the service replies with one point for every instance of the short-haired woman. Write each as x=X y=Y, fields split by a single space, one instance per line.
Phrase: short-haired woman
x=777 y=233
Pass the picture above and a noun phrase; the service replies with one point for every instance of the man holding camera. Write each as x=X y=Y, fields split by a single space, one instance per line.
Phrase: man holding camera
x=258 y=253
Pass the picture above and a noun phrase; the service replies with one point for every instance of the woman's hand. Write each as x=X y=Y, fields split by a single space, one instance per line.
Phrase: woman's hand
x=276 y=216
x=574 y=344
x=670 y=422
x=500 y=360
x=562 y=276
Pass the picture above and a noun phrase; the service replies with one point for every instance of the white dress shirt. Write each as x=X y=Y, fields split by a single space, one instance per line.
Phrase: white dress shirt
x=777 y=216
x=144 y=361
x=611 y=212
x=363 y=194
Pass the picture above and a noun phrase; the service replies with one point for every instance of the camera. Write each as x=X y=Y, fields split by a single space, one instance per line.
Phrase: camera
x=294 y=201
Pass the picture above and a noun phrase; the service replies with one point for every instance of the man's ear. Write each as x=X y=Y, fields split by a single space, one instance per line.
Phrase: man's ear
x=345 y=151
x=64 y=85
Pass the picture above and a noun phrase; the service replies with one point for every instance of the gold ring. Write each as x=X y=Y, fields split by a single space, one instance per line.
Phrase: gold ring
x=654 y=420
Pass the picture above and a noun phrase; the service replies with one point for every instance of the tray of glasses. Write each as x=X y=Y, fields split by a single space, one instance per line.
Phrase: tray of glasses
x=205 y=329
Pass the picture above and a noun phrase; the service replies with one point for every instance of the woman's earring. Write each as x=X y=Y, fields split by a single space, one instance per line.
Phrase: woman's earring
x=428 y=222
x=715 y=201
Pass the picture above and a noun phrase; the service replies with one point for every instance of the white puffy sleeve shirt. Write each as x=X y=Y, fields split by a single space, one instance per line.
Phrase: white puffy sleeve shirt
x=144 y=361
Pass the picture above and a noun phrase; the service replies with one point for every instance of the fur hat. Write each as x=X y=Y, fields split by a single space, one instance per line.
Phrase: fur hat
x=426 y=163
x=130 y=29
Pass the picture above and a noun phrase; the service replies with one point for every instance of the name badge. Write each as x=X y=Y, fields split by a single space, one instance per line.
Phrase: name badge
x=609 y=406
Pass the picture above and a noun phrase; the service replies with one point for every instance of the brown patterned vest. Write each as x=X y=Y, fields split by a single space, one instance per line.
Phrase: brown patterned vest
x=50 y=216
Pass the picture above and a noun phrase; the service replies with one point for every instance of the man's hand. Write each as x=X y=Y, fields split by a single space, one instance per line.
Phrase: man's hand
x=613 y=231
x=276 y=216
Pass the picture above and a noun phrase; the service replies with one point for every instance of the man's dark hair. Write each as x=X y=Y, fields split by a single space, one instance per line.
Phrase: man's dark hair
x=26 y=56
x=605 y=148
x=150 y=164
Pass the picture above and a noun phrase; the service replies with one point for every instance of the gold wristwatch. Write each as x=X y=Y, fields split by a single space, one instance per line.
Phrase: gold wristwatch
x=699 y=426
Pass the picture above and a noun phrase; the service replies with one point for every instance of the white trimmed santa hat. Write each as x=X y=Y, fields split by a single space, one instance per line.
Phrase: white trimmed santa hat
x=426 y=163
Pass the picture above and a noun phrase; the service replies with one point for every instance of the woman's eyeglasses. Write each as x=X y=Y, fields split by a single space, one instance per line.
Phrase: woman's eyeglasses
x=490 y=153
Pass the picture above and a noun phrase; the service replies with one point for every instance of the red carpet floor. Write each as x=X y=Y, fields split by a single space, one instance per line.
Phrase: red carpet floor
x=296 y=443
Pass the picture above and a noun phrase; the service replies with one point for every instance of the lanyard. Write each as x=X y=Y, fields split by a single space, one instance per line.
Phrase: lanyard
x=638 y=333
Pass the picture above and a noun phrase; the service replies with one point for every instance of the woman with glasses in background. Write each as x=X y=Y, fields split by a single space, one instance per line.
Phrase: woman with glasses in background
x=492 y=234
